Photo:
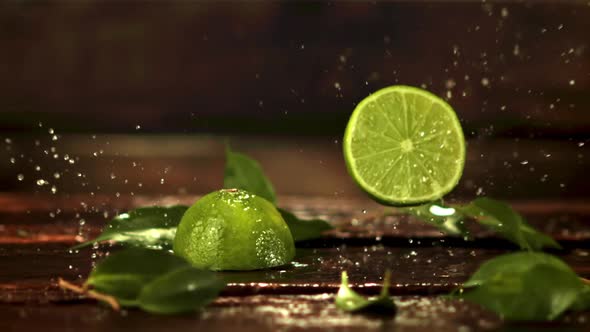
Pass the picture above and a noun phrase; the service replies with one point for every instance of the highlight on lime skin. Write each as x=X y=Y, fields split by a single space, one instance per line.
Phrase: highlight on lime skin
x=233 y=229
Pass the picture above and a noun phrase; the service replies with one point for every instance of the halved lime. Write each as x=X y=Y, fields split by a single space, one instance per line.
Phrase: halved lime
x=404 y=146
x=233 y=229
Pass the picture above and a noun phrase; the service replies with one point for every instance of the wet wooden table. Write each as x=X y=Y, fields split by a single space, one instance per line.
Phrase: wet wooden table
x=37 y=228
x=425 y=264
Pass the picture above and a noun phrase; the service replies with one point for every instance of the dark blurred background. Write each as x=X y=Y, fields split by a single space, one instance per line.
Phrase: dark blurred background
x=113 y=84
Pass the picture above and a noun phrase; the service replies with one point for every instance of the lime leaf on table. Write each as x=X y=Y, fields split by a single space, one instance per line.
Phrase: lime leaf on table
x=404 y=146
x=517 y=263
x=242 y=172
x=490 y=213
x=524 y=286
x=233 y=229
x=501 y=218
x=445 y=218
x=351 y=301
x=123 y=274
x=302 y=229
x=182 y=290
x=149 y=227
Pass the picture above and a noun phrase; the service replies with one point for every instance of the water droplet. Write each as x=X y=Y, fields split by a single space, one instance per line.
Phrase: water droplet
x=56 y=175
x=42 y=182
x=504 y=12
x=20 y=177
x=485 y=81
x=53 y=189
x=524 y=162
x=162 y=181
x=138 y=127
x=450 y=83
x=572 y=82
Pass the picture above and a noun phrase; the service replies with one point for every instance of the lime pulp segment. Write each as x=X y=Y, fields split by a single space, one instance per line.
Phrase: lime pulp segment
x=404 y=146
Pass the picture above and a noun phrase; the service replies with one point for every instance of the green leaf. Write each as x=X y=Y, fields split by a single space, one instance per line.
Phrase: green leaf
x=123 y=274
x=148 y=227
x=518 y=262
x=302 y=229
x=501 y=218
x=183 y=290
x=446 y=218
x=490 y=213
x=524 y=286
x=243 y=172
x=583 y=300
x=351 y=301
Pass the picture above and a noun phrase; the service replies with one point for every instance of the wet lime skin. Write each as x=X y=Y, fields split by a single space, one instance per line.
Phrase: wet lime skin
x=232 y=229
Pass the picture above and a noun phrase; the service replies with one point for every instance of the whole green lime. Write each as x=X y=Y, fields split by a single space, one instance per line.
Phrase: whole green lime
x=232 y=229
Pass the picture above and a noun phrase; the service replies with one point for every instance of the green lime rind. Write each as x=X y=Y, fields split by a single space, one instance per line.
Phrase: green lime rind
x=404 y=146
x=233 y=229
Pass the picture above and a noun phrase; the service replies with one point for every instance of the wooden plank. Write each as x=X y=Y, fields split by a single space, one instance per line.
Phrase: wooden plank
x=47 y=218
x=503 y=168
x=415 y=270
x=275 y=313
